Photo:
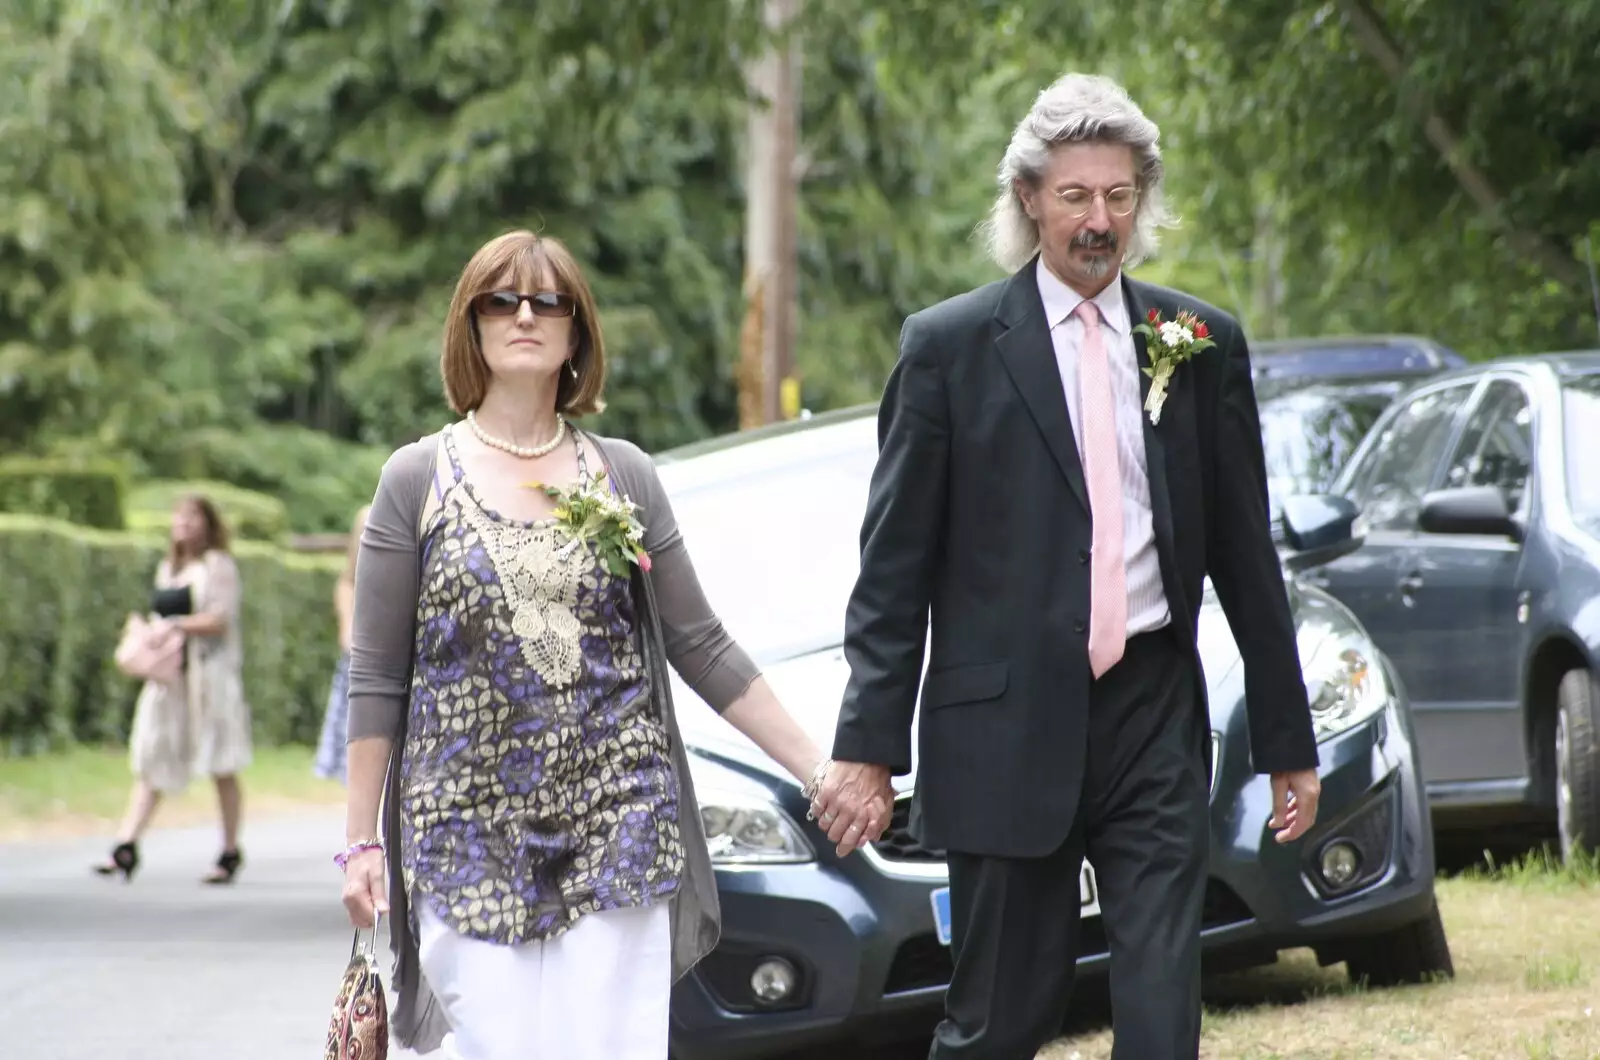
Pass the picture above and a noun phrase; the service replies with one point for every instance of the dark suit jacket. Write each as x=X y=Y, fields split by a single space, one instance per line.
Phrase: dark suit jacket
x=978 y=519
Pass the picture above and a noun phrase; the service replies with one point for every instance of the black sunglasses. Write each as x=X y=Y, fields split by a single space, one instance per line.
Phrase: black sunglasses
x=508 y=303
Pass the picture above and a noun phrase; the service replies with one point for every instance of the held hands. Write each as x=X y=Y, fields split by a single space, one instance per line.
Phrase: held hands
x=851 y=802
x=364 y=889
x=1294 y=803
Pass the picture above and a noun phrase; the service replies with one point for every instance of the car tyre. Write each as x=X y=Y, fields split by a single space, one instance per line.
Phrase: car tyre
x=1417 y=952
x=1577 y=764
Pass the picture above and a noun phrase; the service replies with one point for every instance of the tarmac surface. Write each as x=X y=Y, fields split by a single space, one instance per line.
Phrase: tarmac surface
x=165 y=968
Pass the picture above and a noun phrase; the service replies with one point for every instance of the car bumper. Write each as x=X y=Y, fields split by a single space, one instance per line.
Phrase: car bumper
x=866 y=961
x=869 y=965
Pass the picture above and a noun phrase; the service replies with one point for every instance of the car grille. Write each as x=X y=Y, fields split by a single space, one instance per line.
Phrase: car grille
x=922 y=962
x=897 y=843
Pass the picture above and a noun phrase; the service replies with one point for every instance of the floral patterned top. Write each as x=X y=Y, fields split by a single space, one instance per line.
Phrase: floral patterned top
x=537 y=783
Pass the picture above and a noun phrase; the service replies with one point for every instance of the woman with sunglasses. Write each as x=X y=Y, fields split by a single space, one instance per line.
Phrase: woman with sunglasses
x=547 y=875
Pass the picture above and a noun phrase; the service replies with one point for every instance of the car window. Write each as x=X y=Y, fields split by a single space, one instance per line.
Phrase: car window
x=1398 y=466
x=1496 y=446
x=1307 y=436
x=1581 y=413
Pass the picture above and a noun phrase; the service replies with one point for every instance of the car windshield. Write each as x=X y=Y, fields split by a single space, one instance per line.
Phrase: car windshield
x=1581 y=411
x=775 y=542
x=1309 y=432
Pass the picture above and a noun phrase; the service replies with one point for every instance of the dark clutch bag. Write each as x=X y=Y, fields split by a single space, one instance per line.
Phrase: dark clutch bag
x=359 y=1029
x=170 y=602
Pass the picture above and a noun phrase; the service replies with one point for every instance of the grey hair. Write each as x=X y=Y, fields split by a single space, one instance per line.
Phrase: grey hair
x=1077 y=108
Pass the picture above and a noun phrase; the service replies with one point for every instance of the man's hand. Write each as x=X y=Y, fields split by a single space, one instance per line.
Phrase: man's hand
x=1294 y=803
x=853 y=804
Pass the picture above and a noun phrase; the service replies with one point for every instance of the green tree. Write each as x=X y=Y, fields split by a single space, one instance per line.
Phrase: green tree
x=1383 y=165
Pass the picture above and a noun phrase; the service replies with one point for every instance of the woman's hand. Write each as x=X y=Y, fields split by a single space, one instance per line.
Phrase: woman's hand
x=364 y=888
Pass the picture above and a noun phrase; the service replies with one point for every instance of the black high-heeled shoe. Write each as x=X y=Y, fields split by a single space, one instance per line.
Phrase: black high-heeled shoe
x=124 y=859
x=227 y=868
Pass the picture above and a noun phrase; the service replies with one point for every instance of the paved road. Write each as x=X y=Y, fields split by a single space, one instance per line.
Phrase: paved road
x=164 y=968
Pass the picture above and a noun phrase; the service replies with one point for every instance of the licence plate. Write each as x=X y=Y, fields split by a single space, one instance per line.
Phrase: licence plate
x=1088 y=902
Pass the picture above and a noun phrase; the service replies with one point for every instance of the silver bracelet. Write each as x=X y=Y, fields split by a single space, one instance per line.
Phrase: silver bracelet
x=814 y=785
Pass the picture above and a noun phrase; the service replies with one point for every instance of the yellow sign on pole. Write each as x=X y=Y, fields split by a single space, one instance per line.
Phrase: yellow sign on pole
x=789 y=397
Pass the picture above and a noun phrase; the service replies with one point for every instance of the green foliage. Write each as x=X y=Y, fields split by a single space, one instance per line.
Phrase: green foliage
x=90 y=180
x=65 y=592
x=229 y=230
x=329 y=167
x=1318 y=192
x=249 y=515
x=319 y=480
x=88 y=494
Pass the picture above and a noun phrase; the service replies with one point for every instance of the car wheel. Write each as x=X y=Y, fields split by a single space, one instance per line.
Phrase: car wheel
x=1577 y=764
x=1417 y=952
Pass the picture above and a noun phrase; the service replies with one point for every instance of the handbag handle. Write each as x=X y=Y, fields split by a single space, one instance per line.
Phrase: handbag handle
x=372 y=950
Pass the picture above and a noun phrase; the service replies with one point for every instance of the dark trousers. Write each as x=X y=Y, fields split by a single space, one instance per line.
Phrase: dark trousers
x=1143 y=824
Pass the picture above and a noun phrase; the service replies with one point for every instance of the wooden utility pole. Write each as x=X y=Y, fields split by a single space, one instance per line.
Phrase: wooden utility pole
x=767 y=389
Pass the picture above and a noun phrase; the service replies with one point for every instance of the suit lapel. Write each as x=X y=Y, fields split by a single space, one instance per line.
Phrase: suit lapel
x=1155 y=451
x=1029 y=356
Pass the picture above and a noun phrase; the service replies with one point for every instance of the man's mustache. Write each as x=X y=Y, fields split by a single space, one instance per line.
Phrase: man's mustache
x=1096 y=241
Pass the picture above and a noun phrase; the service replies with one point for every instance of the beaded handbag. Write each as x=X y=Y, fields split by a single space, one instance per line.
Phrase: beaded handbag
x=359 y=1029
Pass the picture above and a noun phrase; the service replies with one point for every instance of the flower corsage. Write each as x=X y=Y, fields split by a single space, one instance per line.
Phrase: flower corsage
x=591 y=512
x=1169 y=343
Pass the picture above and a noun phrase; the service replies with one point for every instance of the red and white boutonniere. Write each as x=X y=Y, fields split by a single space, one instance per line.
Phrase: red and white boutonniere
x=1169 y=344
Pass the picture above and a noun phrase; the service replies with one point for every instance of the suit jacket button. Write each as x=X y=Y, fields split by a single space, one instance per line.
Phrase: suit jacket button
x=1083 y=555
x=1079 y=626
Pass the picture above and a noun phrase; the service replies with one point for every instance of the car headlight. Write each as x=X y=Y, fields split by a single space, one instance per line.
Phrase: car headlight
x=1345 y=683
x=749 y=830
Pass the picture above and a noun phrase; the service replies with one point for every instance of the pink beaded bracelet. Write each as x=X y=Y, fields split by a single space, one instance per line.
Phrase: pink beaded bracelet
x=343 y=857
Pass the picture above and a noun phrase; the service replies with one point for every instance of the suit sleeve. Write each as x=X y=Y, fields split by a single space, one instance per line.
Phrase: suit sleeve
x=886 y=620
x=1245 y=571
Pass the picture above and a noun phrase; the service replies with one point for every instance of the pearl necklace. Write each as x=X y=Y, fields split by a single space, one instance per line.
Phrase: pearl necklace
x=527 y=452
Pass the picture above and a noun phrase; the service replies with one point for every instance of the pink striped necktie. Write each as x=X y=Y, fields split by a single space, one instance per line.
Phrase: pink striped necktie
x=1108 y=594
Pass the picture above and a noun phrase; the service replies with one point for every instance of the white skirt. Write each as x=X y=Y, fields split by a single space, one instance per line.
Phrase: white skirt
x=601 y=991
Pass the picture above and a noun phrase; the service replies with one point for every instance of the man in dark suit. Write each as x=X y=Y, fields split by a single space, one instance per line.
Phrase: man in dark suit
x=1058 y=530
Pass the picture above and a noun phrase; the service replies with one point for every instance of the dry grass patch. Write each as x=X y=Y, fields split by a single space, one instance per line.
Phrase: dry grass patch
x=1524 y=939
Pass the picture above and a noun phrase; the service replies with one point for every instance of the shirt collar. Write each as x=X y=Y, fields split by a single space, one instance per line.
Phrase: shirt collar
x=1061 y=301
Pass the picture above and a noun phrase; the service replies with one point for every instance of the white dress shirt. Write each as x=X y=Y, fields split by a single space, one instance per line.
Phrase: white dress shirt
x=1147 y=600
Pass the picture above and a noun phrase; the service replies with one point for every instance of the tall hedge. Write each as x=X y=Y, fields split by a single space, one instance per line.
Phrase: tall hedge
x=250 y=515
x=65 y=591
x=90 y=494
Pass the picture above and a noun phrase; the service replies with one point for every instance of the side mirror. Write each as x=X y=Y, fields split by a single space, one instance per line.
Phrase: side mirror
x=1318 y=529
x=1468 y=510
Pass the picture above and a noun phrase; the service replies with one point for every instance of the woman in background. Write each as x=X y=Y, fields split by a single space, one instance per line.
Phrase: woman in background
x=330 y=762
x=198 y=724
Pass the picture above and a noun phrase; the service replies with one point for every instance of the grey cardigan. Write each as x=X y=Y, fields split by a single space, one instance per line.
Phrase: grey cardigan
x=678 y=628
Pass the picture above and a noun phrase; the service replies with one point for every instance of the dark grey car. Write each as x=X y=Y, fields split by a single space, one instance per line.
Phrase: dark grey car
x=1480 y=580
x=816 y=949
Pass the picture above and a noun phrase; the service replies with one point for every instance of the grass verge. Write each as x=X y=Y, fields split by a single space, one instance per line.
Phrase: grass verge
x=85 y=790
x=1527 y=985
